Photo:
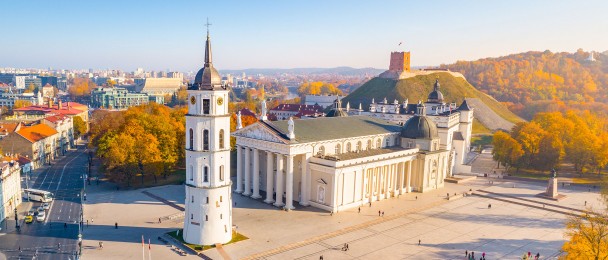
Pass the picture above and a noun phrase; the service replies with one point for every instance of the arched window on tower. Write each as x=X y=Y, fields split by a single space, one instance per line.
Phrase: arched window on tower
x=206 y=174
x=359 y=146
x=338 y=149
x=221 y=172
x=191 y=173
x=221 y=138
x=205 y=140
x=388 y=142
x=348 y=147
x=369 y=144
x=191 y=139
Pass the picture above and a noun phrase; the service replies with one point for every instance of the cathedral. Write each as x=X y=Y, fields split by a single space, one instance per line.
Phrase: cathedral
x=345 y=160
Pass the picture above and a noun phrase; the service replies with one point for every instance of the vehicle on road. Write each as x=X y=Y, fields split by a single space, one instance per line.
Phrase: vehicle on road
x=46 y=205
x=31 y=212
x=41 y=216
x=29 y=219
x=38 y=195
x=40 y=209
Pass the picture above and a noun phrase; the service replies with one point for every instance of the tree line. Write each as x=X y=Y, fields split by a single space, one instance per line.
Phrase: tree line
x=145 y=140
x=579 y=137
x=535 y=81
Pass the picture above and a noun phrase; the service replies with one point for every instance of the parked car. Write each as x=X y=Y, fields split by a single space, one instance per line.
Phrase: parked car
x=41 y=216
x=46 y=206
x=40 y=209
x=32 y=212
x=29 y=219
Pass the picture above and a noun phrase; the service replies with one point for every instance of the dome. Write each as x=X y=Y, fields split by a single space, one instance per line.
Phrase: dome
x=436 y=96
x=419 y=127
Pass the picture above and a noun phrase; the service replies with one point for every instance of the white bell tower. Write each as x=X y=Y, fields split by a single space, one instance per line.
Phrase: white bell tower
x=208 y=217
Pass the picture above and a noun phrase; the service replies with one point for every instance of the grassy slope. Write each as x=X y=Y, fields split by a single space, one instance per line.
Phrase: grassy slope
x=454 y=89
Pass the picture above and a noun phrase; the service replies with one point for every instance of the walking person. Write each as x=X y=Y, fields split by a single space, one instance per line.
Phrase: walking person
x=379 y=213
x=159 y=221
x=100 y=244
x=382 y=213
x=359 y=209
x=116 y=225
x=419 y=241
x=87 y=223
x=347 y=247
x=466 y=253
x=65 y=225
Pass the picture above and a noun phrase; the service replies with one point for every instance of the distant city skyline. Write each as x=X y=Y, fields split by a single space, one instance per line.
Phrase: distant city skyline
x=160 y=35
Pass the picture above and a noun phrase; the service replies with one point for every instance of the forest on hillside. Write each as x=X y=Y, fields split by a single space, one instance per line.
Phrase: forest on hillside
x=535 y=82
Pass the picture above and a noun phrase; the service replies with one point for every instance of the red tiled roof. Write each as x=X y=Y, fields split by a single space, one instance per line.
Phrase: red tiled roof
x=55 y=118
x=247 y=112
x=6 y=128
x=36 y=133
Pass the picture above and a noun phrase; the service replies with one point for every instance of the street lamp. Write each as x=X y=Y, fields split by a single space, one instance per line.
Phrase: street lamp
x=16 y=219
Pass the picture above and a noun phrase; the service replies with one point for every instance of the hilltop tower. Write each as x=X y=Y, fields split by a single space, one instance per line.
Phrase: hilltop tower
x=208 y=216
x=400 y=61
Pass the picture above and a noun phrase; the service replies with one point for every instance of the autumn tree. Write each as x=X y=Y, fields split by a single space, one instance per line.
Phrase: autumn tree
x=245 y=121
x=21 y=103
x=81 y=87
x=318 y=88
x=507 y=151
x=30 y=88
x=588 y=236
x=80 y=127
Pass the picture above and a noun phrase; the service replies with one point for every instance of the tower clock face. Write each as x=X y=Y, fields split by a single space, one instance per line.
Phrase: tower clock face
x=192 y=100
x=220 y=101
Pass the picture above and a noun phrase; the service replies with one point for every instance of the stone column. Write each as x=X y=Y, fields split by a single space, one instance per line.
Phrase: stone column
x=247 y=190
x=256 y=174
x=401 y=179
x=408 y=186
x=289 y=183
x=394 y=174
x=239 y=169
x=279 y=199
x=379 y=183
x=269 y=178
x=387 y=174
x=305 y=187
x=370 y=184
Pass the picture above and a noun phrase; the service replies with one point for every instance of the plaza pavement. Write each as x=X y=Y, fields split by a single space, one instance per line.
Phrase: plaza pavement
x=446 y=228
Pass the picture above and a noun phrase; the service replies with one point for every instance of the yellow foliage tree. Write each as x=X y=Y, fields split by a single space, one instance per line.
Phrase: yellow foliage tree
x=588 y=236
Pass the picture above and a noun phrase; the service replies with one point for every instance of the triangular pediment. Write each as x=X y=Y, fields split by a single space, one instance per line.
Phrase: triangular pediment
x=259 y=132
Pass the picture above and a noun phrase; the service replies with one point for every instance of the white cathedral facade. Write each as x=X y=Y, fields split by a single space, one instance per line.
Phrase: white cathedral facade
x=344 y=161
x=208 y=216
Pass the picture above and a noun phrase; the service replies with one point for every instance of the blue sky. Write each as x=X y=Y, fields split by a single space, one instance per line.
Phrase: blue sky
x=160 y=35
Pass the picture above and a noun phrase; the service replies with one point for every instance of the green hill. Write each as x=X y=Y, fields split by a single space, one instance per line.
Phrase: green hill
x=454 y=89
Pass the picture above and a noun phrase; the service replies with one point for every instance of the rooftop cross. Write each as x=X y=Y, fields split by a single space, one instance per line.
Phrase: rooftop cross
x=207 y=25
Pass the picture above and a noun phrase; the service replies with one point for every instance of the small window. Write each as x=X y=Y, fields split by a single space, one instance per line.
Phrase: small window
x=207 y=200
x=225 y=229
x=191 y=216
x=206 y=174
x=338 y=149
x=206 y=105
x=348 y=147
x=221 y=216
x=359 y=146
x=191 y=139
x=369 y=144
x=220 y=198
x=191 y=173
x=205 y=140
x=388 y=142
x=322 y=150
x=192 y=199
x=221 y=138
x=378 y=143
x=222 y=173
x=206 y=218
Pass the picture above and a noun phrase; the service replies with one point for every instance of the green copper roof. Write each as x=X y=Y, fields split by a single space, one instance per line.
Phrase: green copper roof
x=331 y=128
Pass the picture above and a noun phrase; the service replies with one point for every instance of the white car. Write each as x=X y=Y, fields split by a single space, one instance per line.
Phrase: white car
x=46 y=206
x=41 y=216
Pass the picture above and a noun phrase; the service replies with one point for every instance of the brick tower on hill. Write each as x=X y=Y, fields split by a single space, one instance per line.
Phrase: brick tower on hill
x=400 y=61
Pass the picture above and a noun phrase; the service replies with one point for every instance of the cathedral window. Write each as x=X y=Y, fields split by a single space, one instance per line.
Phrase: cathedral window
x=221 y=138
x=220 y=198
x=191 y=216
x=206 y=106
x=322 y=150
x=221 y=216
x=378 y=143
x=206 y=217
x=348 y=147
x=206 y=174
x=191 y=173
x=191 y=139
x=359 y=146
x=388 y=141
x=205 y=140
x=338 y=148
x=207 y=200
x=221 y=172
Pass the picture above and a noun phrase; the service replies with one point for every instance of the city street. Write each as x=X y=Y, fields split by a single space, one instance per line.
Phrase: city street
x=57 y=236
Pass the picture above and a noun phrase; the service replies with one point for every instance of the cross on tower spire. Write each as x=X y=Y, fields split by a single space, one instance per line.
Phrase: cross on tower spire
x=207 y=25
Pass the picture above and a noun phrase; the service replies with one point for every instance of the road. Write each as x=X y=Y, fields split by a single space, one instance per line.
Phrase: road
x=57 y=236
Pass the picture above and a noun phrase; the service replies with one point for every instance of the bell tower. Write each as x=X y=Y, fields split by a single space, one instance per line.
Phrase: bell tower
x=208 y=216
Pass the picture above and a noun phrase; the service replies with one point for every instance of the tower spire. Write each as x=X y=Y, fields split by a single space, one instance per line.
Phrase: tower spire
x=208 y=59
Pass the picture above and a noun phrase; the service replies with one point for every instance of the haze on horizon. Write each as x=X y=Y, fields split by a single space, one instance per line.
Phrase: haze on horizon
x=160 y=35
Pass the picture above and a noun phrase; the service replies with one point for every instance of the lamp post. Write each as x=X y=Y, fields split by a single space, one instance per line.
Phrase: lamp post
x=16 y=219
